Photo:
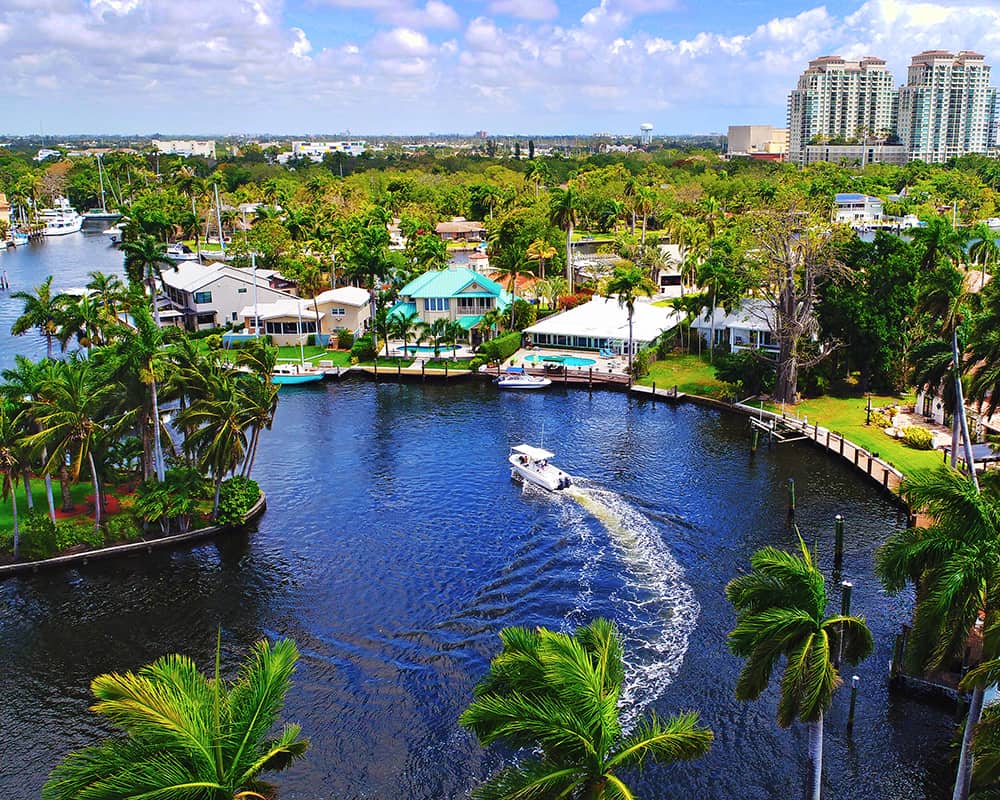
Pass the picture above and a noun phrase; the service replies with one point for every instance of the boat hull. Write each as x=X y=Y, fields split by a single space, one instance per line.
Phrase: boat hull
x=547 y=477
x=61 y=230
x=523 y=383
x=294 y=380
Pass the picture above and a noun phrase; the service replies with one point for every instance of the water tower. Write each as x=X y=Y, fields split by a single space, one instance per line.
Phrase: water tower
x=646 y=133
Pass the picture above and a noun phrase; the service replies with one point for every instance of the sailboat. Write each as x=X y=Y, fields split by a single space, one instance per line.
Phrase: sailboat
x=101 y=213
x=293 y=374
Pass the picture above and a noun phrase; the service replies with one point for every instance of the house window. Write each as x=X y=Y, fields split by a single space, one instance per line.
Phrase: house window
x=234 y=316
x=241 y=290
x=337 y=312
x=436 y=304
x=206 y=319
x=272 y=327
x=289 y=327
x=202 y=297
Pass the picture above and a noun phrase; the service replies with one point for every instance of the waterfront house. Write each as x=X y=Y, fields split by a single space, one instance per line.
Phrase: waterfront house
x=458 y=294
x=857 y=209
x=668 y=277
x=459 y=229
x=287 y=321
x=745 y=328
x=602 y=324
x=212 y=295
x=4 y=209
x=344 y=308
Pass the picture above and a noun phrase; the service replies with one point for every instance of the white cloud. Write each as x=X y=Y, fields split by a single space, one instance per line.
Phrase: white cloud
x=526 y=9
x=301 y=47
x=400 y=43
x=434 y=14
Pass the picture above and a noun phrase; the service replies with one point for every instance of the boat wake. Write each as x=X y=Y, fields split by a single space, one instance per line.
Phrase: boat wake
x=656 y=610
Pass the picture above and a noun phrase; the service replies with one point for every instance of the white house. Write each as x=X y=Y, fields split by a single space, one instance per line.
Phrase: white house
x=857 y=209
x=287 y=321
x=184 y=147
x=746 y=328
x=212 y=295
x=602 y=324
x=668 y=279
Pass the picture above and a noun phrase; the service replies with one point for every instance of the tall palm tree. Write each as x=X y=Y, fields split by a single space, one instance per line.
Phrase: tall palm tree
x=564 y=213
x=11 y=462
x=454 y=334
x=404 y=326
x=628 y=282
x=781 y=607
x=558 y=696
x=954 y=565
x=72 y=419
x=512 y=272
x=145 y=256
x=260 y=402
x=187 y=735
x=984 y=251
x=540 y=251
x=42 y=312
x=435 y=332
x=938 y=240
x=984 y=351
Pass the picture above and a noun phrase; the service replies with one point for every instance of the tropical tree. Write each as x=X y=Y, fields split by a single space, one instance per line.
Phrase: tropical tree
x=436 y=332
x=954 y=566
x=627 y=283
x=455 y=333
x=558 y=695
x=186 y=735
x=145 y=256
x=404 y=325
x=781 y=607
x=984 y=251
x=260 y=402
x=11 y=462
x=540 y=251
x=42 y=312
x=564 y=209
x=511 y=273
x=72 y=420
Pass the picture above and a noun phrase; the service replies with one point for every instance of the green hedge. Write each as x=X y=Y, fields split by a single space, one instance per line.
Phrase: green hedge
x=501 y=348
x=363 y=349
x=345 y=339
x=918 y=438
x=236 y=498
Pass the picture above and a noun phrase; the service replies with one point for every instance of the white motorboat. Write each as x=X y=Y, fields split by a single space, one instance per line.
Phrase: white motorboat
x=114 y=233
x=181 y=252
x=61 y=219
x=517 y=378
x=531 y=464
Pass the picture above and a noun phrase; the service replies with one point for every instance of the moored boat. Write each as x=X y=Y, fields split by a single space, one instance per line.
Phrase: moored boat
x=517 y=378
x=293 y=374
x=181 y=252
x=531 y=464
x=114 y=233
x=61 y=219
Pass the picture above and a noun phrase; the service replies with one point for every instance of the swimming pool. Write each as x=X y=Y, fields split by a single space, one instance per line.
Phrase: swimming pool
x=443 y=348
x=569 y=361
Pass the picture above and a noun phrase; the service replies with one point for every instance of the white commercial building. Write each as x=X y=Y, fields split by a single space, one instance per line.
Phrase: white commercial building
x=839 y=99
x=315 y=151
x=857 y=209
x=746 y=140
x=947 y=108
x=602 y=324
x=184 y=147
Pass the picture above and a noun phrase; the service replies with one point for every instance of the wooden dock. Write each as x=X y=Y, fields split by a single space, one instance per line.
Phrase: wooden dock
x=671 y=395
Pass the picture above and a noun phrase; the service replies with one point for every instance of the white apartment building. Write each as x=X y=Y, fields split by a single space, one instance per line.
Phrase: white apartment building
x=315 y=151
x=184 y=147
x=751 y=139
x=839 y=98
x=947 y=108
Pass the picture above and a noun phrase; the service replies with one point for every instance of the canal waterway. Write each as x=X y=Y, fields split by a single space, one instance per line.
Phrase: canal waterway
x=394 y=549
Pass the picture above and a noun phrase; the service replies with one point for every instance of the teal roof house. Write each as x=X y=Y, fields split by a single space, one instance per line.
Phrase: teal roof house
x=456 y=294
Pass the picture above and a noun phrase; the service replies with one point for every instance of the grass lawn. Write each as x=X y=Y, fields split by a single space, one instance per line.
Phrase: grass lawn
x=313 y=353
x=846 y=415
x=691 y=375
x=78 y=492
x=387 y=363
x=452 y=364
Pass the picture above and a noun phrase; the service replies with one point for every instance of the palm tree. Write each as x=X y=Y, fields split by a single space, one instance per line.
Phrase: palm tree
x=645 y=202
x=512 y=272
x=984 y=251
x=558 y=695
x=42 y=311
x=628 y=281
x=260 y=402
x=144 y=256
x=455 y=332
x=71 y=417
x=187 y=735
x=540 y=251
x=11 y=462
x=954 y=565
x=435 y=332
x=780 y=608
x=938 y=240
x=564 y=206
x=404 y=325
x=984 y=351
x=986 y=736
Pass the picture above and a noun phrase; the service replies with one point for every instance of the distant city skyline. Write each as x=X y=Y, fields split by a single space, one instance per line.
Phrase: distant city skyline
x=412 y=67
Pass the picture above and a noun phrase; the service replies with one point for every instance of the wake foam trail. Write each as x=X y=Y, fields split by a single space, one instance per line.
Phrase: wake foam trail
x=656 y=610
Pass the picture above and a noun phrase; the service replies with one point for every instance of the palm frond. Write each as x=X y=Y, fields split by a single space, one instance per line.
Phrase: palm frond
x=678 y=738
x=534 y=780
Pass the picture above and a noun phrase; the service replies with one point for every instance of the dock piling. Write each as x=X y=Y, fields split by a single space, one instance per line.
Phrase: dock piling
x=846 y=588
x=791 y=497
x=855 y=680
x=838 y=543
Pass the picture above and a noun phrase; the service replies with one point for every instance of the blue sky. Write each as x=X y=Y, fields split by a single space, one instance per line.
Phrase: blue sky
x=417 y=66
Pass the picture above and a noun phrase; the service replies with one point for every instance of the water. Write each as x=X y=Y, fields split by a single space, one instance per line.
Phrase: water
x=394 y=549
x=69 y=259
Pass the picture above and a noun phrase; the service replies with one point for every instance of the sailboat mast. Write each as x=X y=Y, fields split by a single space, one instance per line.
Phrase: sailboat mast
x=218 y=219
x=100 y=177
x=302 y=349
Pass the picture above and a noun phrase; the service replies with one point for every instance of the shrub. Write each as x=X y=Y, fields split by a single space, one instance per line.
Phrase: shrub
x=476 y=363
x=880 y=420
x=123 y=527
x=213 y=342
x=345 y=339
x=363 y=349
x=69 y=533
x=747 y=369
x=641 y=362
x=501 y=348
x=918 y=438
x=237 y=496
x=38 y=536
x=311 y=340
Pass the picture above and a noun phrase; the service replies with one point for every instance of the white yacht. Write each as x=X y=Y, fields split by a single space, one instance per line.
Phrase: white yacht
x=517 y=378
x=181 y=252
x=531 y=464
x=114 y=233
x=61 y=219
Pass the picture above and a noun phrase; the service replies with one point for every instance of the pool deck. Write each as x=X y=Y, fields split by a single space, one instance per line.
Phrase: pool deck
x=601 y=366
